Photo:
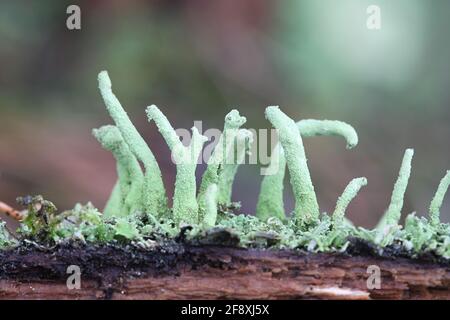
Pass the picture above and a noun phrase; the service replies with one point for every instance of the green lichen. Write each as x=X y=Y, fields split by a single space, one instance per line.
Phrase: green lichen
x=237 y=152
x=306 y=207
x=347 y=196
x=82 y=223
x=126 y=228
x=214 y=170
x=114 y=202
x=211 y=207
x=394 y=211
x=185 y=206
x=436 y=203
x=137 y=211
x=313 y=128
x=127 y=198
x=270 y=200
x=154 y=196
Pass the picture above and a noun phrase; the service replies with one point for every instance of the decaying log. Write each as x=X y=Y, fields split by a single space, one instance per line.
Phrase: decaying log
x=214 y=272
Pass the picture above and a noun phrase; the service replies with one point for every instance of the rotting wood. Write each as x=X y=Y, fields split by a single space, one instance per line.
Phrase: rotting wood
x=212 y=272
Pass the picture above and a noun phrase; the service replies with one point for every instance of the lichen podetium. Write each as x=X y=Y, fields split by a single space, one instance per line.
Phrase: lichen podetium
x=270 y=200
x=306 y=207
x=137 y=209
x=154 y=197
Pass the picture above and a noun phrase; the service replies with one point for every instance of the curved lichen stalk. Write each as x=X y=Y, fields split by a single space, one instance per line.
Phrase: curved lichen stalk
x=154 y=195
x=394 y=211
x=313 y=128
x=270 y=200
x=436 y=203
x=127 y=197
x=233 y=121
x=306 y=207
x=235 y=157
x=185 y=206
x=350 y=192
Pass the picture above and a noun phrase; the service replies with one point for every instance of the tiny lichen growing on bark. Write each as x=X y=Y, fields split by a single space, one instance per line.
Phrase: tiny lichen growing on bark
x=350 y=192
x=270 y=200
x=114 y=202
x=185 y=207
x=210 y=215
x=236 y=152
x=154 y=197
x=394 y=211
x=233 y=121
x=438 y=198
x=306 y=207
x=137 y=208
x=127 y=198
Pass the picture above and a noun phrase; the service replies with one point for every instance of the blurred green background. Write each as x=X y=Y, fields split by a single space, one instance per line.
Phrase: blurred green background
x=197 y=60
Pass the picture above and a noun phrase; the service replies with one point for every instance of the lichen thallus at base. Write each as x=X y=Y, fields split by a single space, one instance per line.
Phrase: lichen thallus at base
x=138 y=209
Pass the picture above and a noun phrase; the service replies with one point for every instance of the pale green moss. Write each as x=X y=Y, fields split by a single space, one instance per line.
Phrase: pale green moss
x=436 y=203
x=154 y=197
x=6 y=240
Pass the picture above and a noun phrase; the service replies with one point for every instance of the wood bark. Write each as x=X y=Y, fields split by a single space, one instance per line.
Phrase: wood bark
x=209 y=272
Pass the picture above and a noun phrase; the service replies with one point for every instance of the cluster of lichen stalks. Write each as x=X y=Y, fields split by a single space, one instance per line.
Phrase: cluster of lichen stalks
x=140 y=192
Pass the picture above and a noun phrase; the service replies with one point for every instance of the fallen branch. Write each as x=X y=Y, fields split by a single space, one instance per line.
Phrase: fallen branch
x=210 y=272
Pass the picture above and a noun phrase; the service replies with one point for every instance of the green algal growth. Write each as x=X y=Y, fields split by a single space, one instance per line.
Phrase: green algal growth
x=185 y=206
x=154 y=196
x=270 y=200
x=438 y=198
x=126 y=198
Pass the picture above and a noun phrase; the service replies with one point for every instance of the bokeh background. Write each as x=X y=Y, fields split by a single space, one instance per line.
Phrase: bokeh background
x=197 y=60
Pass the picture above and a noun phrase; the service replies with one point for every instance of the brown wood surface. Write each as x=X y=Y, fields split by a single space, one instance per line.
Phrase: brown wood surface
x=231 y=273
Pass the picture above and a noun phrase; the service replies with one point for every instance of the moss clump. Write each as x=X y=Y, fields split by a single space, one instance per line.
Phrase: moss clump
x=137 y=210
x=6 y=241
